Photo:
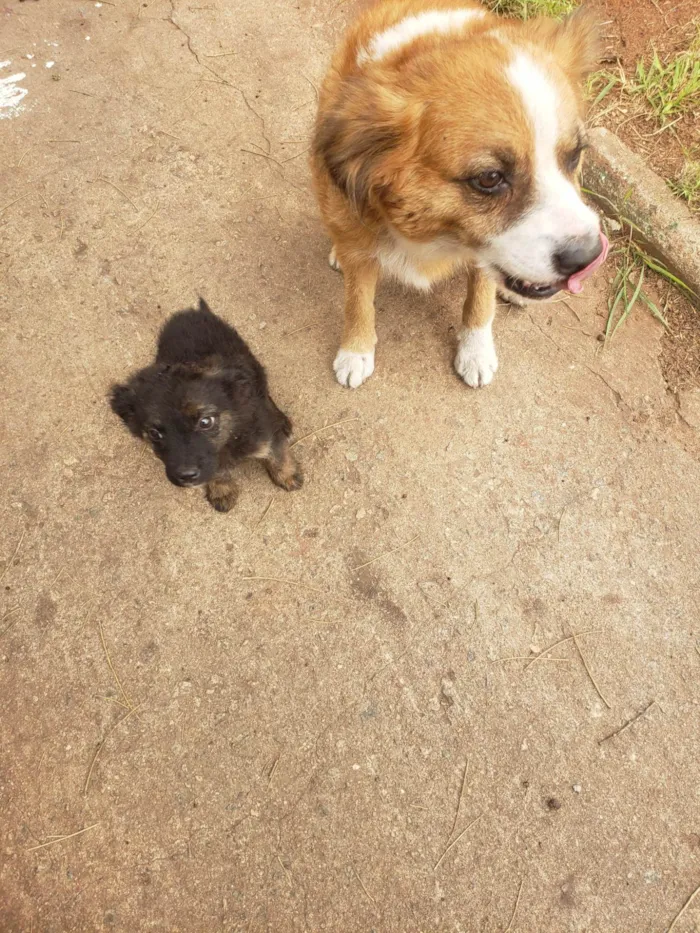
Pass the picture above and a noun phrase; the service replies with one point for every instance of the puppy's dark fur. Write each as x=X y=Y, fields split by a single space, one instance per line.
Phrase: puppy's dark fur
x=204 y=405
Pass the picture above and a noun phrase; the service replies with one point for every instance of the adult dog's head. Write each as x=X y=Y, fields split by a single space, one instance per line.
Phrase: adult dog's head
x=470 y=137
x=186 y=412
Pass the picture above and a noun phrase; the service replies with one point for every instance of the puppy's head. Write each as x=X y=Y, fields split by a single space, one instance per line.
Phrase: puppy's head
x=186 y=412
x=475 y=142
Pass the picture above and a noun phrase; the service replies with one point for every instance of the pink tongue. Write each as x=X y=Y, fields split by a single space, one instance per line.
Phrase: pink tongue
x=575 y=283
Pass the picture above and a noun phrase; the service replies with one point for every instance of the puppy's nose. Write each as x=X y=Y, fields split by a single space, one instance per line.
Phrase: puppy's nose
x=578 y=254
x=188 y=475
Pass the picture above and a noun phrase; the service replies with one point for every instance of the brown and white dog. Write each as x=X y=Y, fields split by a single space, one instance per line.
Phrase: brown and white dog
x=448 y=136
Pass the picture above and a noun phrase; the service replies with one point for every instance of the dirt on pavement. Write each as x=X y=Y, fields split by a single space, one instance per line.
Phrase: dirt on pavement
x=633 y=30
x=234 y=723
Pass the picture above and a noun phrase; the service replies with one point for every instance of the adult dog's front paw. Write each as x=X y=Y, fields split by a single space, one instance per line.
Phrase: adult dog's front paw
x=511 y=298
x=351 y=369
x=476 y=360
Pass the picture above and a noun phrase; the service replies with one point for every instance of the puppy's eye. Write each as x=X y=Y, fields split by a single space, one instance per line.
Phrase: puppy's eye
x=155 y=434
x=489 y=182
x=206 y=423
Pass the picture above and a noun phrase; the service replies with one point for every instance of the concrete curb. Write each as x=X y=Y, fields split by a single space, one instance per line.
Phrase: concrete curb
x=624 y=188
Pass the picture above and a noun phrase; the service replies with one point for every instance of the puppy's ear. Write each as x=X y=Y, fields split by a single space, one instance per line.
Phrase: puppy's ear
x=203 y=306
x=575 y=42
x=124 y=403
x=356 y=139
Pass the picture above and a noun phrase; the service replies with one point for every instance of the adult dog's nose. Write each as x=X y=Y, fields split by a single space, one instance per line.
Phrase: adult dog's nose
x=187 y=475
x=578 y=254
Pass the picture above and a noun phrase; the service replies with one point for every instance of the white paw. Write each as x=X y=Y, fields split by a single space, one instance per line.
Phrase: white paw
x=351 y=369
x=476 y=359
x=333 y=261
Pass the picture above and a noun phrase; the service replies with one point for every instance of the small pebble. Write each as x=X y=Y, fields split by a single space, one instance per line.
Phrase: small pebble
x=577 y=788
x=553 y=804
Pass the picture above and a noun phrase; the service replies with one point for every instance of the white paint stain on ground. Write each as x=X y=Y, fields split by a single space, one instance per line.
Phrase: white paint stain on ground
x=11 y=93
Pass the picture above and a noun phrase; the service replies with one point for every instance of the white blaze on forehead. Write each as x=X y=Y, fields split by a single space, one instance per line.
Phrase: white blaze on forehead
x=541 y=102
x=557 y=213
x=413 y=27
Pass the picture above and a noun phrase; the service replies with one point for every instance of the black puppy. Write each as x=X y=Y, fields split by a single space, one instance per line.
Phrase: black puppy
x=204 y=405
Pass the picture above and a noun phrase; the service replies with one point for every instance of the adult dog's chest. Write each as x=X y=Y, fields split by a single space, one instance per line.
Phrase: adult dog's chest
x=418 y=265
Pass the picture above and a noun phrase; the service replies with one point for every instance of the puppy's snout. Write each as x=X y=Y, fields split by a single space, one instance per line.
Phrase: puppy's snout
x=578 y=254
x=188 y=475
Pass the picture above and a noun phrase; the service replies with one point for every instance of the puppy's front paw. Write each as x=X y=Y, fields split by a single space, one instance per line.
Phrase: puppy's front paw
x=284 y=471
x=476 y=359
x=351 y=369
x=289 y=481
x=333 y=261
x=222 y=498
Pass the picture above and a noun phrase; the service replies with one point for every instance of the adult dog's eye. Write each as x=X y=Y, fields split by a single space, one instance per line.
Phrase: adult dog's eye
x=206 y=423
x=155 y=434
x=490 y=182
x=574 y=158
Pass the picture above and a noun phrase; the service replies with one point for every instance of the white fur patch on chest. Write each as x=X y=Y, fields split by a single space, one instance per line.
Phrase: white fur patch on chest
x=419 y=265
x=407 y=30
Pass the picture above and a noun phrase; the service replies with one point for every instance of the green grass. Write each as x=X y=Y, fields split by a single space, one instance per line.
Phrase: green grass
x=670 y=87
x=601 y=84
x=687 y=185
x=628 y=287
x=633 y=264
x=526 y=9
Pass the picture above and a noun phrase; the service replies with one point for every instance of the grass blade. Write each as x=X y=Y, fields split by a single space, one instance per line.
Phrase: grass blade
x=658 y=266
x=654 y=310
x=630 y=304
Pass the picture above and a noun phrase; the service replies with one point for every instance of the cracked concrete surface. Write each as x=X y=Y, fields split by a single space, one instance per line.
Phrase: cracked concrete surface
x=298 y=729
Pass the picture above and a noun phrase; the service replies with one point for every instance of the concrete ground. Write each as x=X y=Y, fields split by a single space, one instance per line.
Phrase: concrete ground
x=233 y=723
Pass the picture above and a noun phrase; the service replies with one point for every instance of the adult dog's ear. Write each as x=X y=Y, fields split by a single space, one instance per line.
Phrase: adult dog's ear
x=124 y=403
x=575 y=42
x=356 y=139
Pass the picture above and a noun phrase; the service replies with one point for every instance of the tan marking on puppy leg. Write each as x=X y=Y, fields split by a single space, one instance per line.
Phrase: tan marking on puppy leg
x=263 y=452
x=355 y=360
x=476 y=360
x=221 y=492
x=283 y=468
